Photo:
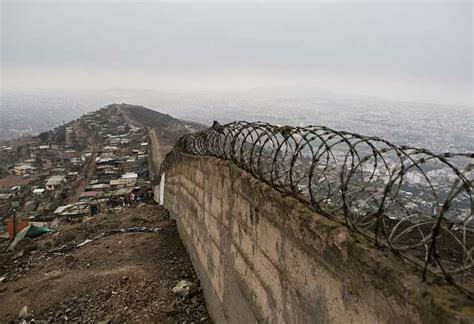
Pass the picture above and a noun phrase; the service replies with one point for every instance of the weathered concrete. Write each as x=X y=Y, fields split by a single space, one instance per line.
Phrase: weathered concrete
x=264 y=257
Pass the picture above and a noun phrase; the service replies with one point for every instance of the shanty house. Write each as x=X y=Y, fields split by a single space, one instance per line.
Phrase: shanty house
x=55 y=182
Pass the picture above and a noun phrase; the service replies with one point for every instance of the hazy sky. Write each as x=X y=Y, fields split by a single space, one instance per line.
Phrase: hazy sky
x=400 y=50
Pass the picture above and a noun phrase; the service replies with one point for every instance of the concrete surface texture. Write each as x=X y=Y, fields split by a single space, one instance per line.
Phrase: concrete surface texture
x=265 y=257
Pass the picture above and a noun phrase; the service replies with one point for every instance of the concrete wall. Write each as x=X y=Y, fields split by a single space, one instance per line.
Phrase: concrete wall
x=264 y=257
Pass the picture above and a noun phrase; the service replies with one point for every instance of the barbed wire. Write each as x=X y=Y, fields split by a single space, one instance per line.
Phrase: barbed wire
x=417 y=203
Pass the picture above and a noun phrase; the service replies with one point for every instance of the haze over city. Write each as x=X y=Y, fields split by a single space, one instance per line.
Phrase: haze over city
x=397 y=50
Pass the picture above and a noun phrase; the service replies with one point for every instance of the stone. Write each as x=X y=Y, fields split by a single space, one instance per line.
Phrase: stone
x=24 y=314
x=184 y=288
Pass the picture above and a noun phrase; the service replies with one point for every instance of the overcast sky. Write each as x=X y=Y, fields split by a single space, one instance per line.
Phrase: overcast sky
x=407 y=51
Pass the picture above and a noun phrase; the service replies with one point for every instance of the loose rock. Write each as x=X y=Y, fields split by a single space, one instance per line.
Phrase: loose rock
x=185 y=288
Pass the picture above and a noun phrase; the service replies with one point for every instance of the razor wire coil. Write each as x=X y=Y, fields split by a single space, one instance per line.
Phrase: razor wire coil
x=411 y=200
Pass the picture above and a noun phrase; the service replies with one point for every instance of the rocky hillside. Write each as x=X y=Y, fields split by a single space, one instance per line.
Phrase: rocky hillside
x=152 y=118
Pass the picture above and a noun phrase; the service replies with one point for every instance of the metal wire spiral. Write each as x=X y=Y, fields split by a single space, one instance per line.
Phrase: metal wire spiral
x=417 y=203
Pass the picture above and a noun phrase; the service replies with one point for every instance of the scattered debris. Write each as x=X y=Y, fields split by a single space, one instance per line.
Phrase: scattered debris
x=126 y=230
x=109 y=278
x=84 y=242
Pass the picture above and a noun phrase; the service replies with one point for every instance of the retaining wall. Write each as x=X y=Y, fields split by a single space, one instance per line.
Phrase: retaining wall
x=265 y=257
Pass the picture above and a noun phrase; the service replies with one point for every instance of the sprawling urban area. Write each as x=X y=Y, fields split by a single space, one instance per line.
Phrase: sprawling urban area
x=78 y=216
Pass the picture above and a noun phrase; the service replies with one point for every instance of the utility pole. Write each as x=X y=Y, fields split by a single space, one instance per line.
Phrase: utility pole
x=14 y=224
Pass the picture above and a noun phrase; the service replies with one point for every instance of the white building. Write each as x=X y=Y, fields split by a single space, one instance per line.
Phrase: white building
x=55 y=182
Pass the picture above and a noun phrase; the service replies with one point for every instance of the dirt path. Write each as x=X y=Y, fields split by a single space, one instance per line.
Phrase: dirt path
x=85 y=176
x=87 y=172
x=121 y=277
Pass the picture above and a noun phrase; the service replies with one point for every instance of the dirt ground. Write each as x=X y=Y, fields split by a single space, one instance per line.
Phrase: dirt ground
x=121 y=276
x=14 y=180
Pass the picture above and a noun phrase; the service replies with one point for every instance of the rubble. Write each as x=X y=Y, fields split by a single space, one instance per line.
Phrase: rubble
x=126 y=272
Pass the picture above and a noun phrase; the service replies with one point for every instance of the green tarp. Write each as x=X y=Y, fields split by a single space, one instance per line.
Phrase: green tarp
x=29 y=231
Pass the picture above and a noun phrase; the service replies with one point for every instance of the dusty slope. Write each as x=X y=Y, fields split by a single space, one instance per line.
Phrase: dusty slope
x=147 y=117
x=120 y=277
x=142 y=116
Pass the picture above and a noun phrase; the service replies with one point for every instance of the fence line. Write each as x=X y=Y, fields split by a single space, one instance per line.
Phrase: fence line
x=417 y=203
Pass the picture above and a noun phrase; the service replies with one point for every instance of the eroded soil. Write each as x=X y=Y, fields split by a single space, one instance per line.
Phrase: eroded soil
x=120 y=277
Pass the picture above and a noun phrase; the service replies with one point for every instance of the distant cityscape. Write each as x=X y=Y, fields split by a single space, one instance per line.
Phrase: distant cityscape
x=435 y=127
